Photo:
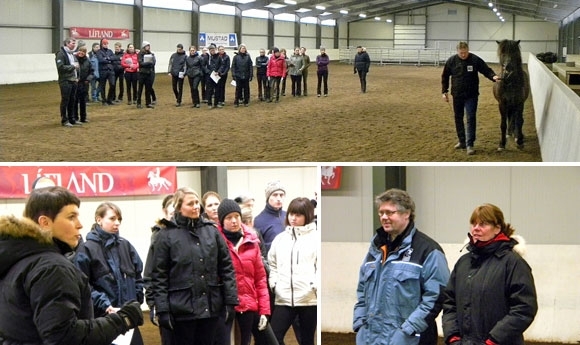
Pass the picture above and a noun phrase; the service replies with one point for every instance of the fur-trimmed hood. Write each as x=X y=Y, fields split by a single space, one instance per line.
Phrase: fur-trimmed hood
x=21 y=237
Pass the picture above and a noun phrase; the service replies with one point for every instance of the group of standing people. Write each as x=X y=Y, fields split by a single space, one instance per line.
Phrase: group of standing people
x=404 y=283
x=261 y=277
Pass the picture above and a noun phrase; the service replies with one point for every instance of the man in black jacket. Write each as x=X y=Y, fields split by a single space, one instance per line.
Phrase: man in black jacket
x=261 y=75
x=119 y=72
x=362 y=62
x=106 y=59
x=46 y=299
x=463 y=68
x=67 y=67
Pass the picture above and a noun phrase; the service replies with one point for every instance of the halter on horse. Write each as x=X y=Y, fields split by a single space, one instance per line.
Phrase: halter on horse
x=511 y=91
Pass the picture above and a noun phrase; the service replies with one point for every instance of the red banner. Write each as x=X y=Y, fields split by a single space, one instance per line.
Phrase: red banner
x=331 y=177
x=87 y=181
x=99 y=33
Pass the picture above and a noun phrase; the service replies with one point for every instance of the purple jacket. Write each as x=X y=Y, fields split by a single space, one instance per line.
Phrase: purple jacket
x=322 y=62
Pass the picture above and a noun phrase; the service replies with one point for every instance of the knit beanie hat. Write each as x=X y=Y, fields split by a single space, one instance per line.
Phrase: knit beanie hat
x=226 y=207
x=145 y=44
x=273 y=186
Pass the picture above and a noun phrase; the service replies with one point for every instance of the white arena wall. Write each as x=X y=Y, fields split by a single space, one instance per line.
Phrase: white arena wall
x=557 y=114
x=141 y=212
x=539 y=201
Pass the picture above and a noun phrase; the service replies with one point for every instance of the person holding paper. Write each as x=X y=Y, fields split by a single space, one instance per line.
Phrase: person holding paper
x=176 y=71
x=211 y=71
x=194 y=72
x=146 y=75
x=242 y=72
x=223 y=70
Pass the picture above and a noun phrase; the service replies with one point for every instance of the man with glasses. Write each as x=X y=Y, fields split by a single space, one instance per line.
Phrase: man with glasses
x=401 y=280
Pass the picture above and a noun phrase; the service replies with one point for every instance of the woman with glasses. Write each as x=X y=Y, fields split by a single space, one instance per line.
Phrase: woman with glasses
x=491 y=297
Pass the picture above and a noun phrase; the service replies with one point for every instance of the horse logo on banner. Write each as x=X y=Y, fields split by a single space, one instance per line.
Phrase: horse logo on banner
x=331 y=177
x=156 y=181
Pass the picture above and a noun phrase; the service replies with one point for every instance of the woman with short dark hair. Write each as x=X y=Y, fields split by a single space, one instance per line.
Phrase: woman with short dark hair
x=294 y=273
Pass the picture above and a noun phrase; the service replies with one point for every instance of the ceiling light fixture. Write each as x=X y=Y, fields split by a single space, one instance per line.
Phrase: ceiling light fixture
x=290 y=2
x=490 y=4
x=319 y=7
x=343 y=11
x=377 y=18
x=389 y=20
x=362 y=15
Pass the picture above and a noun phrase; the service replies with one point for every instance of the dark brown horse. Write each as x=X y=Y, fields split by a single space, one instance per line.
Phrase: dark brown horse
x=511 y=91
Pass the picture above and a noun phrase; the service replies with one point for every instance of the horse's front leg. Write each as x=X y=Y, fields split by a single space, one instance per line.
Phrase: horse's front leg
x=503 y=126
x=518 y=119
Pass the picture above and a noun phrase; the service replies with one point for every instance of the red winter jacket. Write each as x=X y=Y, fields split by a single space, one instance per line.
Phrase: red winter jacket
x=276 y=66
x=250 y=273
x=130 y=68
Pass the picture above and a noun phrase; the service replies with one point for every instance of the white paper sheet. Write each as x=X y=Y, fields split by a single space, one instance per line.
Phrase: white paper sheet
x=124 y=339
x=215 y=77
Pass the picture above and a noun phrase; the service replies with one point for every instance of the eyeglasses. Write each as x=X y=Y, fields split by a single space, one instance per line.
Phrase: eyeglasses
x=387 y=213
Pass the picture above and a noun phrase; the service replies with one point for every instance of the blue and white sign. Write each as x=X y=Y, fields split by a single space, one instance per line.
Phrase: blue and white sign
x=229 y=40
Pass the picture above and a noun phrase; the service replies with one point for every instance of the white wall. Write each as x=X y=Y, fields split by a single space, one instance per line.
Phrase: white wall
x=557 y=114
x=538 y=201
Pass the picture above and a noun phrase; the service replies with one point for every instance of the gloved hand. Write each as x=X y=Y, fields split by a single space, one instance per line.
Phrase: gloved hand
x=268 y=78
x=131 y=313
x=152 y=316
x=281 y=80
x=230 y=313
x=262 y=323
x=165 y=320
x=354 y=71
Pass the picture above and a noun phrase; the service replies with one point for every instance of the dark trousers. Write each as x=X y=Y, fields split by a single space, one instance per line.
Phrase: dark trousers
x=153 y=97
x=166 y=336
x=468 y=105
x=120 y=80
x=275 y=87
x=305 y=81
x=362 y=76
x=194 y=88
x=242 y=90
x=68 y=91
x=195 y=332
x=221 y=89
x=104 y=77
x=211 y=91
x=322 y=77
x=203 y=87
x=147 y=81
x=177 y=84
x=284 y=316
x=248 y=325
x=263 y=88
x=296 y=85
x=132 y=80
x=81 y=101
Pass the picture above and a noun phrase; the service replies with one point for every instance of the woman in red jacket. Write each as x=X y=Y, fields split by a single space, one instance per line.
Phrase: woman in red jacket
x=276 y=72
x=130 y=63
x=254 y=308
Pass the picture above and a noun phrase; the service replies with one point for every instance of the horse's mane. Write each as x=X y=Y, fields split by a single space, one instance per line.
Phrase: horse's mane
x=509 y=48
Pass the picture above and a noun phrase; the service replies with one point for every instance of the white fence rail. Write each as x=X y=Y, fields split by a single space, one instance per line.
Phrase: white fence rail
x=383 y=56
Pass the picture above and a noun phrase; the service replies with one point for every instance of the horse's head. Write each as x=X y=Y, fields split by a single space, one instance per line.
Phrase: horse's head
x=510 y=57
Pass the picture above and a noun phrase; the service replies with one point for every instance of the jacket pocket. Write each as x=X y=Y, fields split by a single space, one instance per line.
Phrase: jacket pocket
x=215 y=297
x=181 y=301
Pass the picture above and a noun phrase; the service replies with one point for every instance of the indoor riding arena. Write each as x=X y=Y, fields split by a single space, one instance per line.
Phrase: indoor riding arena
x=401 y=118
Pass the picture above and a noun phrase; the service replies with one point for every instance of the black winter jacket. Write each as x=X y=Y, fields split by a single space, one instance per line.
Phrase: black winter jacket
x=490 y=294
x=194 y=66
x=362 y=62
x=106 y=59
x=177 y=63
x=212 y=64
x=192 y=274
x=117 y=67
x=146 y=67
x=261 y=65
x=225 y=63
x=464 y=77
x=66 y=71
x=113 y=267
x=242 y=67
x=86 y=72
x=149 y=291
x=45 y=299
